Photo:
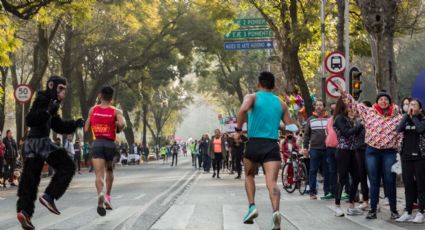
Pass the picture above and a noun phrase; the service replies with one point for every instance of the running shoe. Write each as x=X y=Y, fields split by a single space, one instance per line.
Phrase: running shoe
x=419 y=218
x=25 y=220
x=328 y=196
x=313 y=197
x=49 y=203
x=108 y=203
x=339 y=212
x=251 y=215
x=371 y=215
x=354 y=212
x=100 y=206
x=363 y=206
x=213 y=176
x=276 y=220
x=394 y=215
x=406 y=217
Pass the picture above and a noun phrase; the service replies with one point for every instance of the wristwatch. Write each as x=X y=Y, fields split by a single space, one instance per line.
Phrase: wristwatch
x=238 y=130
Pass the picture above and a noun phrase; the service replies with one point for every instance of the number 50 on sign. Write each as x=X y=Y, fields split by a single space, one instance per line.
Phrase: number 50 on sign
x=23 y=93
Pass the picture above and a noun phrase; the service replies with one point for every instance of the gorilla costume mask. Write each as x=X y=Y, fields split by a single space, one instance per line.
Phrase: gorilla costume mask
x=52 y=86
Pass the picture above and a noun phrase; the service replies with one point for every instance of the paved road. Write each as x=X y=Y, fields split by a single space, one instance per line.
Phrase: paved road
x=156 y=196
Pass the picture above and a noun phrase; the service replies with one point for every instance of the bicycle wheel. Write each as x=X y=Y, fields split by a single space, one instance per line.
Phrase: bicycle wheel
x=302 y=178
x=288 y=182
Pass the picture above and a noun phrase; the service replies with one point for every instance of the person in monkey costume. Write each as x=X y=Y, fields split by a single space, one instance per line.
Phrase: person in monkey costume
x=38 y=148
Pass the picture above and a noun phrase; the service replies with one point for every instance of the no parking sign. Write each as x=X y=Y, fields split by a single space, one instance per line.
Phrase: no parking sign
x=332 y=85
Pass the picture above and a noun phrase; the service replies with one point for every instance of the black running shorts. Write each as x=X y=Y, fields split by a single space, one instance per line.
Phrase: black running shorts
x=103 y=149
x=260 y=150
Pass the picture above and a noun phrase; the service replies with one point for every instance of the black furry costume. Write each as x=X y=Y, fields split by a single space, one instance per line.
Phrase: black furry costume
x=39 y=148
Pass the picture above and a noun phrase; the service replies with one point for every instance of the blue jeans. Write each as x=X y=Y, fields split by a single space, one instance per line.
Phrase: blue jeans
x=317 y=158
x=330 y=159
x=379 y=162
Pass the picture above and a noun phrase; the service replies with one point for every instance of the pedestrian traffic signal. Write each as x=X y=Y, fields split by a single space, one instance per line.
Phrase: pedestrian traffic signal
x=356 y=83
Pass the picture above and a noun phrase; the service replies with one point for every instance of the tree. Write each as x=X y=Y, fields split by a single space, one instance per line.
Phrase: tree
x=379 y=18
x=26 y=10
x=290 y=21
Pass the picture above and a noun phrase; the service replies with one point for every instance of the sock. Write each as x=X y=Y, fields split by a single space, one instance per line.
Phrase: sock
x=250 y=205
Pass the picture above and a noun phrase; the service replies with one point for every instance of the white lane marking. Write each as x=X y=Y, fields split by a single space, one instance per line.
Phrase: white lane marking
x=177 y=217
x=51 y=219
x=232 y=218
x=139 y=197
x=1 y=198
x=112 y=219
x=133 y=219
x=168 y=199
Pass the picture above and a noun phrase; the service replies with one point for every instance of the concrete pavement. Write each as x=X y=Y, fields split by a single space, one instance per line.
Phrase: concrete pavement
x=160 y=197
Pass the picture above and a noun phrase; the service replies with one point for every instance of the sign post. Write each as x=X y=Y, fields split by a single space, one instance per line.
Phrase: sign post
x=23 y=94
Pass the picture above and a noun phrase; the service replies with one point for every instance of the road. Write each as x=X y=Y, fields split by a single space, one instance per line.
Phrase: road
x=160 y=197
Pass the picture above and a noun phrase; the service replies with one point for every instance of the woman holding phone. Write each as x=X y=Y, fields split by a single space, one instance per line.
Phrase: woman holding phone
x=413 y=161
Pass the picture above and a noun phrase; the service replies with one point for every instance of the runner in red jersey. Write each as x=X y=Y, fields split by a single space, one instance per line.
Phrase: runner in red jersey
x=104 y=120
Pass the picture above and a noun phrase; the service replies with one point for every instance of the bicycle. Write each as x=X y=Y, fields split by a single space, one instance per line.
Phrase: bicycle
x=294 y=174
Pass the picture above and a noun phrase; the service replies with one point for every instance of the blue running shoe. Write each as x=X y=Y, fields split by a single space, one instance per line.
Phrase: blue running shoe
x=251 y=215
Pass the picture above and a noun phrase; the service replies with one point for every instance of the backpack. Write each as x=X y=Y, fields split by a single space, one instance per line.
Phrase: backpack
x=2 y=149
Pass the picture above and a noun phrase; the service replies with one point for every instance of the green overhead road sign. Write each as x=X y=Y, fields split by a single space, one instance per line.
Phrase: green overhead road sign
x=246 y=22
x=266 y=33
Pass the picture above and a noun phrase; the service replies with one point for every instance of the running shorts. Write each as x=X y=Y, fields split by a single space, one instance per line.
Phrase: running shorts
x=103 y=149
x=260 y=150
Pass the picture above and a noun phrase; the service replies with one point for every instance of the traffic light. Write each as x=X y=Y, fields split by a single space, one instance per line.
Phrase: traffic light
x=356 y=83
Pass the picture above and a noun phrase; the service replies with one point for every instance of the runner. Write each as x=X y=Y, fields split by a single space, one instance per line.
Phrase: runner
x=39 y=148
x=264 y=111
x=175 y=151
x=104 y=120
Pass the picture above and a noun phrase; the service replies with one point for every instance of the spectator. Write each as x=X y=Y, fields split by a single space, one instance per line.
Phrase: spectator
x=361 y=160
x=10 y=156
x=175 y=151
x=345 y=156
x=382 y=139
x=314 y=145
x=77 y=155
x=2 y=153
x=204 y=149
x=86 y=154
x=413 y=161
x=69 y=146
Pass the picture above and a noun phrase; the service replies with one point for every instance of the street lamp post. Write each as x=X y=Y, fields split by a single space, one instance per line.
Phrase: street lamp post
x=322 y=30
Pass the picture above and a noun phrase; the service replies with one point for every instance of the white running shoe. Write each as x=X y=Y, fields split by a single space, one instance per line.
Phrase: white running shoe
x=405 y=218
x=354 y=212
x=363 y=207
x=339 y=212
x=419 y=219
x=276 y=220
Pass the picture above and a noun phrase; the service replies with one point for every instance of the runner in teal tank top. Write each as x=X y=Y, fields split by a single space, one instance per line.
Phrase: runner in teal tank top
x=265 y=116
x=264 y=111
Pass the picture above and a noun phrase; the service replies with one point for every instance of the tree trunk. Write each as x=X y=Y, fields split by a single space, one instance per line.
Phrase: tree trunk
x=128 y=131
x=67 y=67
x=379 y=19
x=4 y=72
x=145 y=109
x=384 y=63
x=40 y=58
x=340 y=25
x=238 y=89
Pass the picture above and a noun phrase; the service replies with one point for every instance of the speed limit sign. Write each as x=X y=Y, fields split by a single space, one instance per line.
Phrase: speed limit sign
x=23 y=93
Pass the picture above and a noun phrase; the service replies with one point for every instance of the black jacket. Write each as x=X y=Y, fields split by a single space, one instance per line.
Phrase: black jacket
x=11 y=148
x=40 y=121
x=345 y=132
x=411 y=129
